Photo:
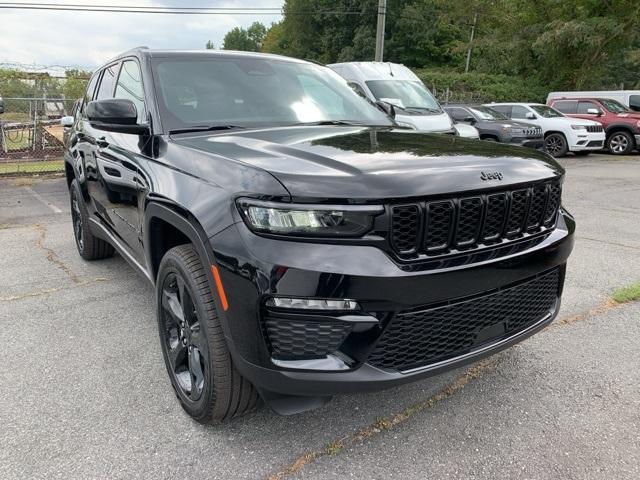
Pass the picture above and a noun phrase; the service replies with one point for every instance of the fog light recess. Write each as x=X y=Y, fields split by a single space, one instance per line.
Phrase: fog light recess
x=313 y=304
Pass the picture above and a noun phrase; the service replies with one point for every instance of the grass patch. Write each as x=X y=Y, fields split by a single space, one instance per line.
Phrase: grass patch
x=627 y=294
x=47 y=166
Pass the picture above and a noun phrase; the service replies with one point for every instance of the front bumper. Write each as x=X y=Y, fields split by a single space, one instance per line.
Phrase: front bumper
x=536 y=142
x=579 y=141
x=254 y=268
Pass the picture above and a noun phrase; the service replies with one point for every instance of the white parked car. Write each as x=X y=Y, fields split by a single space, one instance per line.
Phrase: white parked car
x=395 y=84
x=561 y=134
x=629 y=98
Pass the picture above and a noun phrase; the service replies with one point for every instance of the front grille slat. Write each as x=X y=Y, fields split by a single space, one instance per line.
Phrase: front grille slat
x=415 y=339
x=440 y=227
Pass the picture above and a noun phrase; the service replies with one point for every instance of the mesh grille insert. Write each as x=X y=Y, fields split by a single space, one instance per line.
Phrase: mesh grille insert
x=405 y=227
x=439 y=223
x=417 y=339
x=469 y=218
x=297 y=339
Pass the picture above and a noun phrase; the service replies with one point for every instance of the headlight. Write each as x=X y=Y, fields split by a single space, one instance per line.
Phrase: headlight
x=308 y=220
x=578 y=127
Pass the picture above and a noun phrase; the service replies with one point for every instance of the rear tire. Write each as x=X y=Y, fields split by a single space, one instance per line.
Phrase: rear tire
x=556 y=145
x=89 y=246
x=206 y=382
x=620 y=143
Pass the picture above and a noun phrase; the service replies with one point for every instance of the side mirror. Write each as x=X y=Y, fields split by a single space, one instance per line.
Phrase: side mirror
x=530 y=116
x=387 y=108
x=67 y=121
x=594 y=111
x=115 y=115
x=470 y=120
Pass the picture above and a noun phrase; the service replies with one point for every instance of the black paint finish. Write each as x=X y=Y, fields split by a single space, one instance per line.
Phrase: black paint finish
x=135 y=184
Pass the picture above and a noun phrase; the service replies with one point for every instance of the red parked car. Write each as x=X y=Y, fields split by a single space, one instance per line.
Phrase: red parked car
x=621 y=125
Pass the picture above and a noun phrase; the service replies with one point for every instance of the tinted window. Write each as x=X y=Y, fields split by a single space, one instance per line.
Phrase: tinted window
x=518 y=111
x=105 y=90
x=584 y=106
x=486 y=113
x=129 y=86
x=566 y=106
x=457 y=113
x=503 y=109
x=634 y=102
x=246 y=91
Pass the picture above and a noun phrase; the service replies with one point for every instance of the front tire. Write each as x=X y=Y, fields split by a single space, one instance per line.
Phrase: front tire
x=198 y=362
x=620 y=143
x=556 y=145
x=89 y=246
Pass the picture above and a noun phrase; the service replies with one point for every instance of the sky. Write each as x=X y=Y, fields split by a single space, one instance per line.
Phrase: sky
x=88 y=39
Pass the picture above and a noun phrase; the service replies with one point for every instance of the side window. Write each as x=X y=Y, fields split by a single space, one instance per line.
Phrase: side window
x=566 y=106
x=129 y=87
x=358 y=89
x=634 y=102
x=584 y=106
x=105 y=90
x=88 y=96
x=518 y=111
x=503 y=109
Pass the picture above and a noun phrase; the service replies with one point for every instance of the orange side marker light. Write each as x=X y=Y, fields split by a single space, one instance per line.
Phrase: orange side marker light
x=221 y=294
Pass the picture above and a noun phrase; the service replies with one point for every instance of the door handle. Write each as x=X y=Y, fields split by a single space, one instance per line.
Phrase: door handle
x=102 y=142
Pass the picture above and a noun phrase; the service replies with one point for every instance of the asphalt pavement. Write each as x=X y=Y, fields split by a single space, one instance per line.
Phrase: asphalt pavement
x=84 y=393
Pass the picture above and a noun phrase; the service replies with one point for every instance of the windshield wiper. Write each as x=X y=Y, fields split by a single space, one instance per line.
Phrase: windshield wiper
x=428 y=109
x=205 y=128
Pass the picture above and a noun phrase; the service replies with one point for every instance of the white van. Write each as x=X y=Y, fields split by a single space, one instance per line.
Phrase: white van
x=395 y=84
x=629 y=98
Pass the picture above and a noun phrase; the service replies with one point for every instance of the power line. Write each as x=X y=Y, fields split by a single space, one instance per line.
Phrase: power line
x=172 y=10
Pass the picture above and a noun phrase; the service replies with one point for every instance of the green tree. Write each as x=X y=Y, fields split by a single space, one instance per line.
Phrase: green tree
x=210 y=45
x=75 y=83
x=249 y=40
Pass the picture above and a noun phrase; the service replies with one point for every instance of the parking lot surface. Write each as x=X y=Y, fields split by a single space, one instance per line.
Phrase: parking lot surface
x=84 y=393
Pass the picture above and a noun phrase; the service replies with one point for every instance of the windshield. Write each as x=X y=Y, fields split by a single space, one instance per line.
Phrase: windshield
x=613 y=105
x=486 y=113
x=406 y=94
x=203 y=91
x=546 y=112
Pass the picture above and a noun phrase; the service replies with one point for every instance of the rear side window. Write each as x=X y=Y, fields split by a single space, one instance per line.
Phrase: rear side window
x=566 y=106
x=105 y=90
x=583 y=107
x=129 y=87
x=634 y=102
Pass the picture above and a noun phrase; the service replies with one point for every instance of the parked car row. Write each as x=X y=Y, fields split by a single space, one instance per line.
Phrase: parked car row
x=570 y=122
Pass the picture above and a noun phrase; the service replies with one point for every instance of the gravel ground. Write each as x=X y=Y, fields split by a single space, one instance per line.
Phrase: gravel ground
x=84 y=394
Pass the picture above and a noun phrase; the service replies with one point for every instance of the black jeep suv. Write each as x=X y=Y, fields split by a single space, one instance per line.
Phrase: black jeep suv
x=302 y=245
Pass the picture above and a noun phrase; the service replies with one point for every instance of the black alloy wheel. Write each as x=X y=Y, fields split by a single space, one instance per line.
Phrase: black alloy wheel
x=195 y=351
x=186 y=349
x=556 y=145
x=89 y=246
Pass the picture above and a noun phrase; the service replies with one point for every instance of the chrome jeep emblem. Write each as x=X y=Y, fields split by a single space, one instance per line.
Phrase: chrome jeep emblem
x=490 y=176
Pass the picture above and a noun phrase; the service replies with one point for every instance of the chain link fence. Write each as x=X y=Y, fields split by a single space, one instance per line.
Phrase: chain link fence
x=446 y=96
x=31 y=136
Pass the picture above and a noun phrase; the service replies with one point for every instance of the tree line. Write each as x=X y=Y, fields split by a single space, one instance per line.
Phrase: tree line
x=524 y=47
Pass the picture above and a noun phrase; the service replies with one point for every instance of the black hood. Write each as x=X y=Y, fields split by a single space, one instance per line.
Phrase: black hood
x=368 y=163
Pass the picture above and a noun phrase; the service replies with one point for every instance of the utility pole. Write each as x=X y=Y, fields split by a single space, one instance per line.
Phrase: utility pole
x=473 y=32
x=382 y=12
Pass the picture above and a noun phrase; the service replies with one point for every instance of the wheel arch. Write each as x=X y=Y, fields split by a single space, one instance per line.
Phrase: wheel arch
x=492 y=136
x=619 y=127
x=165 y=227
x=551 y=132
